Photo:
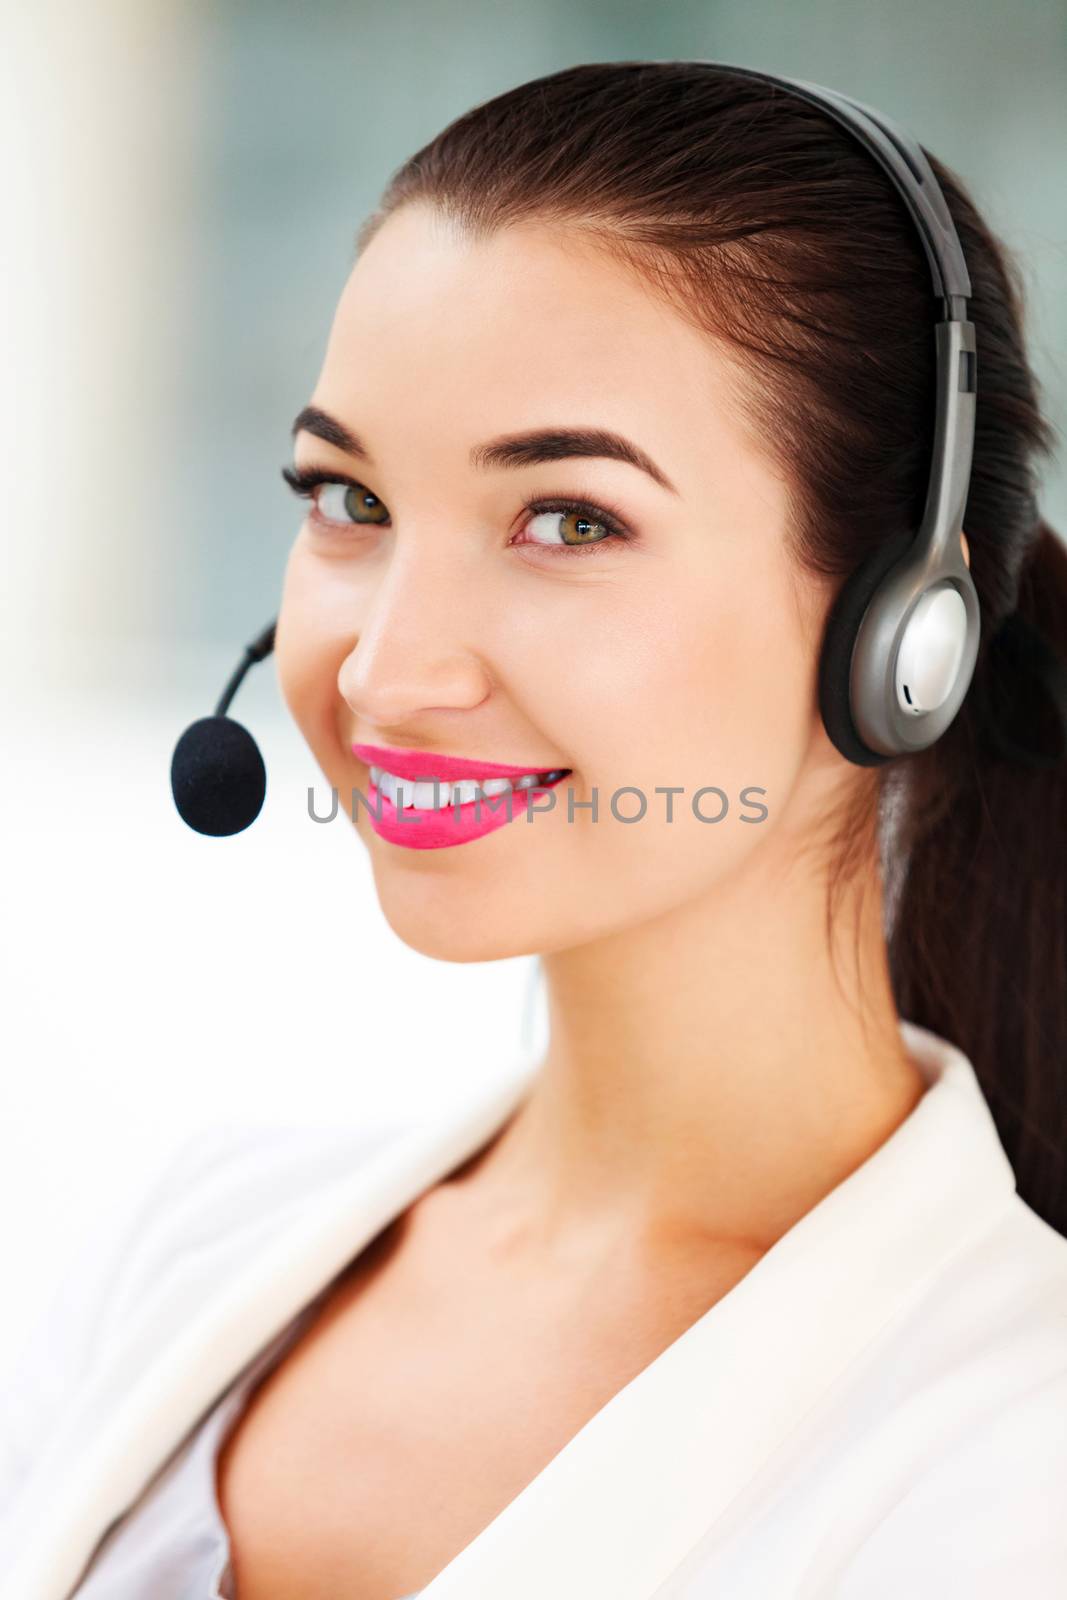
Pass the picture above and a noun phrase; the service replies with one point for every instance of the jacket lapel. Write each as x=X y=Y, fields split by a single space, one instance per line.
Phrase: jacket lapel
x=619 y=1507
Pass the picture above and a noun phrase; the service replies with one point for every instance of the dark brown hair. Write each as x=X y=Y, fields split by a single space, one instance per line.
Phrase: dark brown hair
x=768 y=225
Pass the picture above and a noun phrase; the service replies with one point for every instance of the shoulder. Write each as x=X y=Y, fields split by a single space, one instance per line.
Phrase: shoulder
x=993 y=1318
x=979 y=1377
x=219 y=1191
x=231 y=1185
x=1010 y=1288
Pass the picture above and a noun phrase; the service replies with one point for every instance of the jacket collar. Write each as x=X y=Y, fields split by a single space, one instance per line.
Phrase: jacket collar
x=617 y=1509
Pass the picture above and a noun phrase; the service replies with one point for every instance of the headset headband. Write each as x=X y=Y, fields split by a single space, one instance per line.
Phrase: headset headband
x=905 y=162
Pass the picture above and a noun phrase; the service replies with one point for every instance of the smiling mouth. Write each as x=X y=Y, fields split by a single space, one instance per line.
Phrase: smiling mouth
x=438 y=794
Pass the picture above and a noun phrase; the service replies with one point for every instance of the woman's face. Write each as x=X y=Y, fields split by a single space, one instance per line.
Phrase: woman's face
x=430 y=609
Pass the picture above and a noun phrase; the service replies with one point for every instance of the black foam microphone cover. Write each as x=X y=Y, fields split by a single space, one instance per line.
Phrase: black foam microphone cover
x=217 y=776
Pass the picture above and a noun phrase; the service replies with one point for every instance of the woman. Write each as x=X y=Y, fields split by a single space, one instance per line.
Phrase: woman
x=757 y=1283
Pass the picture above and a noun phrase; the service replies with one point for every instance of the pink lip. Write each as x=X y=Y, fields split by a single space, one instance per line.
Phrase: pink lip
x=458 y=824
x=416 y=764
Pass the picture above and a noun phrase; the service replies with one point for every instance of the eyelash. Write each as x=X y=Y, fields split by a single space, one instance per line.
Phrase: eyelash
x=304 y=481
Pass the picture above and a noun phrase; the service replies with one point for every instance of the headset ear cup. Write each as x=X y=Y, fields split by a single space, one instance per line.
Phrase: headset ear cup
x=839 y=638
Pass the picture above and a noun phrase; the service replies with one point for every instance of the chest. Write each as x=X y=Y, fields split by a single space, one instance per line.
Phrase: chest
x=407 y=1417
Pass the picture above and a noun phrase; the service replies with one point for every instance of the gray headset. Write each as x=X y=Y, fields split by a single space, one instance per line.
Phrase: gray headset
x=901 y=639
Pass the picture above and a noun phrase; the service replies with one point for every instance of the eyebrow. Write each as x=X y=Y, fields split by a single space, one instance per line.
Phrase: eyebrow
x=510 y=450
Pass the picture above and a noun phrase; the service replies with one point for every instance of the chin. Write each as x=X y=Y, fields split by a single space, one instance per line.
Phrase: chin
x=457 y=945
x=438 y=925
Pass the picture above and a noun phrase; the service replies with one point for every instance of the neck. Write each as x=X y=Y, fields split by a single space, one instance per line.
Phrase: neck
x=713 y=1074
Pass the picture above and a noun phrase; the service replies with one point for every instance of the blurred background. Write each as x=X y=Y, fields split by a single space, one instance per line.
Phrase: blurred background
x=183 y=184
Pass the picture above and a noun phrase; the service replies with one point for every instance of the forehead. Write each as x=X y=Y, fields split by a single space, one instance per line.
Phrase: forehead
x=529 y=326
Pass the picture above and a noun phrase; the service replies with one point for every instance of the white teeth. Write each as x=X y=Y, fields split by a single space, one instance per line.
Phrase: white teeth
x=426 y=795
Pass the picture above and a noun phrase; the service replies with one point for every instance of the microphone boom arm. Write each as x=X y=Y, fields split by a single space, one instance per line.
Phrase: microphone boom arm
x=261 y=646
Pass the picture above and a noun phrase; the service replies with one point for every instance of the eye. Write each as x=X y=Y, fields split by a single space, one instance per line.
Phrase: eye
x=571 y=525
x=340 y=500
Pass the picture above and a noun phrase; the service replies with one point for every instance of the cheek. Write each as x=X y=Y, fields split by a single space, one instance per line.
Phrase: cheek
x=677 y=691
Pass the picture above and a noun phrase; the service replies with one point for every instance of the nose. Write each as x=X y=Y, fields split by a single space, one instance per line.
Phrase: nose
x=412 y=652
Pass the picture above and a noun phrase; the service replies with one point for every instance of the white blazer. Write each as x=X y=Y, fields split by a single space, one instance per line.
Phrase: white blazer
x=878 y=1409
